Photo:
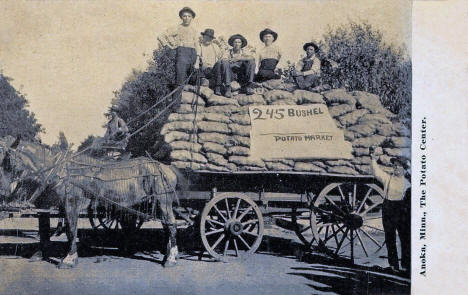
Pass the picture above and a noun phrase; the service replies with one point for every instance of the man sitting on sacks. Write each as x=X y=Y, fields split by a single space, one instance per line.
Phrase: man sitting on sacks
x=116 y=137
x=239 y=65
x=268 y=56
x=396 y=210
x=210 y=65
x=184 y=39
x=308 y=69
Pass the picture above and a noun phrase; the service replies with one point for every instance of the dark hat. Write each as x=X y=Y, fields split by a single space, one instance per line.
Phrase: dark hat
x=237 y=36
x=208 y=32
x=399 y=160
x=310 y=44
x=268 y=31
x=187 y=9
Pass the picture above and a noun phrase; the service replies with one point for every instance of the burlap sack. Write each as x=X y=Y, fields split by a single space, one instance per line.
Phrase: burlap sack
x=212 y=137
x=339 y=96
x=398 y=152
x=339 y=163
x=348 y=135
x=352 y=118
x=363 y=129
x=309 y=167
x=360 y=152
x=371 y=102
x=342 y=170
x=361 y=160
x=232 y=167
x=279 y=84
x=235 y=86
x=186 y=145
x=385 y=130
x=183 y=117
x=373 y=140
x=227 y=110
x=215 y=100
x=188 y=165
x=184 y=126
x=400 y=142
x=190 y=98
x=363 y=169
x=187 y=109
x=340 y=110
x=214 y=167
x=214 y=148
x=274 y=166
x=246 y=161
x=237 y=140
x=255 y=99
x=205 y=92
x=207 y=126
x=401 y=130
x=307 y=97
x=213 y=117
x=241 y=119
x=274 y=95
x=282 y=161
x=252 y=168
x=186 y=156
x=385 y=160
x=376 y=119
x=176 y=135
x=238 y=151
x=216 y=159
x=284 y=102
x=241 y=130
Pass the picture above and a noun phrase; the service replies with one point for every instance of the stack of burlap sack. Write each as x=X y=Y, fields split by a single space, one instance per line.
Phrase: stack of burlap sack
x=216 y=136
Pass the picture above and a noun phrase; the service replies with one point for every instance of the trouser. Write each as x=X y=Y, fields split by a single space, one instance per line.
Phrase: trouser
x=304 y=82
x=243 y=71
x=214 y=74
x=185 y=61
x=266 y=70
x=396 y=216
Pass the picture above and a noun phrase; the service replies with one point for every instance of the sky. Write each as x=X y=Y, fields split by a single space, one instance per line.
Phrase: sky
x=68 y=57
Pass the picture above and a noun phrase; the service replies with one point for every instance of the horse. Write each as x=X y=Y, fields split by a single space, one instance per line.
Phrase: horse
x=44 y=178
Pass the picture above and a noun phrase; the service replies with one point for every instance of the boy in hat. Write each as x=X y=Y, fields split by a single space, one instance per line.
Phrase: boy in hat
x=184 y=39
x=268 y=56
x=210 y=56
x=240 y=63
x=396 y=210
x=307 y=73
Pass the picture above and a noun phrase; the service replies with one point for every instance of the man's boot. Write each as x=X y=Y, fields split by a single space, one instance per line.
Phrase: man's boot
x=228 y=92
x=218 y=90
x=249 y=90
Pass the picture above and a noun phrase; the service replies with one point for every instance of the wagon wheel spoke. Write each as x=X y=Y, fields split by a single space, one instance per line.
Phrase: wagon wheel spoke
x=373 y=227
x=252 y=221
x=354 y=196
x=215 y=222
x=227 y=208
x=364 y=200
x=244 y=242
x=234 y=215
x=305 y=229
x=334 y=234
x=236 y=248
x=336 y=206
x=219 y=212
x=244 y=213
x=342 y=197
x=371 y=238
x=341 y=241
x=226 y=247
x=362 y=244
x=251 y=233
x=369 y=209
x=221 y=237
x=214 y=232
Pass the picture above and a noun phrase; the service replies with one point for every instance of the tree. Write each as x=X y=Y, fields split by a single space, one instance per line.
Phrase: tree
x=367 y=63
x=15 y=119
x=62 y=143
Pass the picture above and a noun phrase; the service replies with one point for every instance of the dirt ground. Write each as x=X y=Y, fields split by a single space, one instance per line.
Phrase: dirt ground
x=279 y=267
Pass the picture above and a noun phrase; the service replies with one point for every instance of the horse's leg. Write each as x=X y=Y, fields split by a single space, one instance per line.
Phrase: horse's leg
x=170 y=229
x=44 y=237
x=71 y=219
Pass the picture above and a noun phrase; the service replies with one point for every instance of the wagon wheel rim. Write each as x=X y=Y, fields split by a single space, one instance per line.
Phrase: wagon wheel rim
x=107 y=219
x=231 y=227
x=303 y=231
x=346 y=219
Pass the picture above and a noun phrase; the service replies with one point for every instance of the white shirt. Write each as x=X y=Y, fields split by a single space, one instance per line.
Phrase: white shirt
x=180 y=35
x=394 y=186
x=271 y=51
x=210 y=54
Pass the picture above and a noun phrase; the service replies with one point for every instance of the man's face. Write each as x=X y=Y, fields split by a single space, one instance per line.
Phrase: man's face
x=268 y=39
x=398 y=169
x=207 y=39
x=186 y=18
x=310 y=51
x=237 y=44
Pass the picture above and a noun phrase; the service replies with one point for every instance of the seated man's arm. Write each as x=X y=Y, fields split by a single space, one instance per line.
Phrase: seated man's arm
x=315 y=70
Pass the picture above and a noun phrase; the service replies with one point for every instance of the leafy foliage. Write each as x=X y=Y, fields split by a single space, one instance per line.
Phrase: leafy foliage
x=15 y=119
x=367 y=63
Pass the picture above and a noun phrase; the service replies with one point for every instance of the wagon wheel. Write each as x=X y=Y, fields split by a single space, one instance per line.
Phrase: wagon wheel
x=231 y=227
x=346 y=220
x=108 y=219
